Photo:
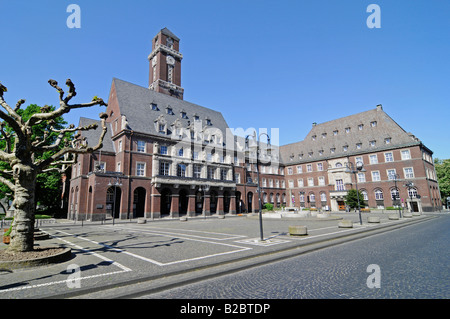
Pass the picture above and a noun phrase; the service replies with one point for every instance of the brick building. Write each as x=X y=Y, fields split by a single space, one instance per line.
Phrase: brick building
x=163 y=156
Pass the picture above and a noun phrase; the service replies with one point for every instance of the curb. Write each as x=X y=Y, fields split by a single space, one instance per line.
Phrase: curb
x=63 y=256
x=182 y=277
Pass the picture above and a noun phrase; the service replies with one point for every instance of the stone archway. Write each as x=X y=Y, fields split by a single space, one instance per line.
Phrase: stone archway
x=139 y=202
x=166 y=201
x=183 y=200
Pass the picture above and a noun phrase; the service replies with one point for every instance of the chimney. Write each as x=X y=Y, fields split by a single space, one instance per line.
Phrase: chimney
x=379 y=107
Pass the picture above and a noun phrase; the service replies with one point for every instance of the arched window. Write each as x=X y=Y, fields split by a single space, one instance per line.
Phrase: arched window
x=365 y=195
x=395 y=194
x=338 y=164
x=323 y=197
x=312 y=197
x=379 y=194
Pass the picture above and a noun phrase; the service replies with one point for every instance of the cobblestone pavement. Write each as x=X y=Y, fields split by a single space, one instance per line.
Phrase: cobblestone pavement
x=127 y=254
x=413 y=263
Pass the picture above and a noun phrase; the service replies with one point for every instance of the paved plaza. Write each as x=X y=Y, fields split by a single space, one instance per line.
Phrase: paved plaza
x=107 y=258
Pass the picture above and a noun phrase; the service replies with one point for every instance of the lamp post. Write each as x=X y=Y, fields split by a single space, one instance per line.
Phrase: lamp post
x=114 y=181
x=353 y=170
x=408 y=186
x=204 y=189
x=257 y=140
x=396 y=177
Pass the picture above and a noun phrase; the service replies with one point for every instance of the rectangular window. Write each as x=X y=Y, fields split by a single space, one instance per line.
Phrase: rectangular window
x=163 y=150
x=376 y=176
x=310 y=181
x=391 y=174
x=120 y=146
x=119 y=169
x=211 y=172
x=406 y=155
x=237 y=178
x=181 y=170
x=197 y=171
x=340 y=185
x=300 y=182
x=223 y=174
x=291 y=183
x=373 y=159
x=162 y=128
x=361 y=178
x=299 y=169
x=289 y=170
x=140 y=169
x=320 y=167
x=309 y=168
x=164 y=168
x=359 y=159
x=388 y=157
x=321 y=181
x=141 y=146
x=264 y=182
x=409 y=172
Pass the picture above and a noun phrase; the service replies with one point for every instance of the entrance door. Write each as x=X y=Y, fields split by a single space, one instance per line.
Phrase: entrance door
x=183 y=202
x=139 y=202
x=341 y=205
x=166 y=201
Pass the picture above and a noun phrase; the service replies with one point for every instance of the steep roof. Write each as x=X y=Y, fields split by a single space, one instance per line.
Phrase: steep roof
x=135 y=102
x=376 y=126
x=93 y=136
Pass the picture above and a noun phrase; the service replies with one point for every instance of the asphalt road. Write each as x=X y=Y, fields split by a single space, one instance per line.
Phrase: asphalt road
x=412 y=262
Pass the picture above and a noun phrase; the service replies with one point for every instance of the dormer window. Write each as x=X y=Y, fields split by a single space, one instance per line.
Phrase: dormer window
x=387 y=140
x=208 y=122
x=373 y=143
x=373 y=123
x=313 y=137
x=360 y=127
x=170 y=111
x=162 y=128
x=196 y=118
x=184 y=115
x=154 y=107
x=347 y=130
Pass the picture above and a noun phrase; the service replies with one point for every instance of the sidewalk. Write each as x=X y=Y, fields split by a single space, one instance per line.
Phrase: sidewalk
x=126 y=259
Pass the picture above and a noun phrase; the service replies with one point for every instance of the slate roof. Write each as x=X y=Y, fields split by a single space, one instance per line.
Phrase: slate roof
x=135 y=102
x=94 y=135
x=315 y=142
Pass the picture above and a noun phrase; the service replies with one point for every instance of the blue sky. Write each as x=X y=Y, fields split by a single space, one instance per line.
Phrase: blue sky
x=263 y=64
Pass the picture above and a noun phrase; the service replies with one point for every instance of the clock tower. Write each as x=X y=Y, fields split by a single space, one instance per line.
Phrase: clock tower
x=165 y=64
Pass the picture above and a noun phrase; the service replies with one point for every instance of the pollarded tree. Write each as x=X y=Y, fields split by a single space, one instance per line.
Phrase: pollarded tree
x=21 y=147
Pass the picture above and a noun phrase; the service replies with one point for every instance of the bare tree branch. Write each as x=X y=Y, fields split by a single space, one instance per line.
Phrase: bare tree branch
x=8 y=183
x=64 y=107
x=74 y=149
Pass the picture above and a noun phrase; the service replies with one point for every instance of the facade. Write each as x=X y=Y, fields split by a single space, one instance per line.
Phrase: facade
x=163 y=156
x=399 y=169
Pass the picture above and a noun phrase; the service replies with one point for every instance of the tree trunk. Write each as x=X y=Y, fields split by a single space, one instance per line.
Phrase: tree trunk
x=22 y=234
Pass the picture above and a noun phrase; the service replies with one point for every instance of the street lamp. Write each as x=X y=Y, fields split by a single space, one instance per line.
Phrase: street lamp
x=353 y=170
x=256 y=147
x=204 y=189
x=409 y=186
x=114 y=181
x=396 y=177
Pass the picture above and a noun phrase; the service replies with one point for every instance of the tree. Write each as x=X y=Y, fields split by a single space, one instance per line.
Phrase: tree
x=47 y=184
x=352 y=199
x=27 y=155
x=443 y=176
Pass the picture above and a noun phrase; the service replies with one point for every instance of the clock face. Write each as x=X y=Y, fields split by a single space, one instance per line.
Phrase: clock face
x=170 y=60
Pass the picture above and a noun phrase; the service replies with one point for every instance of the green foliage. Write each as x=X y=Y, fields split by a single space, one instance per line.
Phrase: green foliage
x=443 y=176
x=268 y=206
x=48 y=185
x=352 y=199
